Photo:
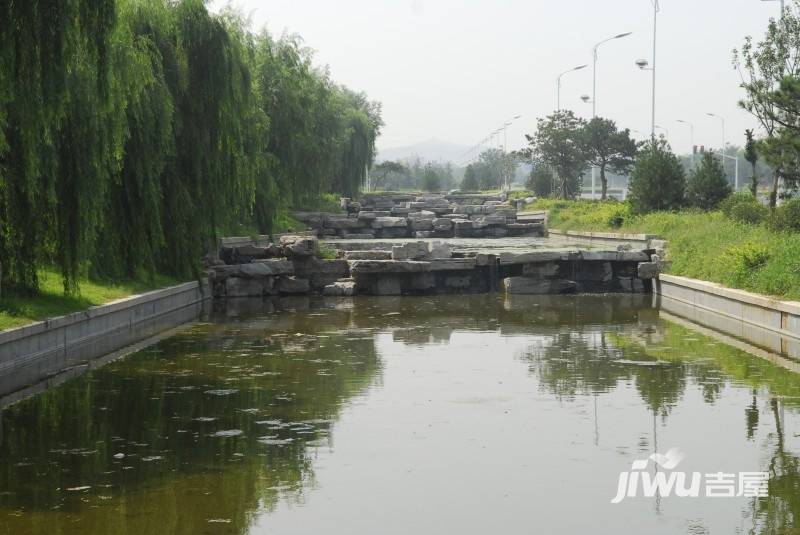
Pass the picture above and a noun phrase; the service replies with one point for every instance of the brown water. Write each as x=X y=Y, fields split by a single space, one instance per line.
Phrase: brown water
x=461 y=414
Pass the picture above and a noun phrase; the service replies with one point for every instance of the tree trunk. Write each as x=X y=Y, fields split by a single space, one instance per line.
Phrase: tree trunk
x=603 y=181
x=754 y=182
x=773 y=195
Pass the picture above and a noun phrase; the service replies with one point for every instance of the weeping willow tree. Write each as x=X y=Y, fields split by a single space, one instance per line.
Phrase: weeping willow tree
x=134 y=132
x=45 y=46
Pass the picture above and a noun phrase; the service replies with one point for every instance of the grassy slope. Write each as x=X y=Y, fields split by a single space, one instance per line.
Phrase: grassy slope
x=17 y=311
x=702 y=245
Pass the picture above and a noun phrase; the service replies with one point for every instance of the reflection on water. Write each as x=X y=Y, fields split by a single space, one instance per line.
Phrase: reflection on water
x=455 y=414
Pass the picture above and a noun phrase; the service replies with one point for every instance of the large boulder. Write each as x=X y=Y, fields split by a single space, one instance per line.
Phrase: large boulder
x=298 y=245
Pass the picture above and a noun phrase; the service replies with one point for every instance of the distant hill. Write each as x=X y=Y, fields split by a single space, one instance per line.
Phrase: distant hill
x=431 y=150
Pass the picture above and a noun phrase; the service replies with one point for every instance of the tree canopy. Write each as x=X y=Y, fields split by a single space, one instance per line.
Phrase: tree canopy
x=134 y=132
x=608 y=148
x=558 y=143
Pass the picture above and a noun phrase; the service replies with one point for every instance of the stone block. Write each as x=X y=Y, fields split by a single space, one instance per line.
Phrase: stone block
x=647 y=270
x=458 y=281
x=421 y=224
x=422 y=281
x=410 y=251
x=293 y=285
x=237 y=287
x=340 y=289
x=595 y=271
x=370 y=215
x=631 y=284
x=368 y=255
x=360 y=267
x=423 y=234
x=422 y=215
x=342 y=223
x=453 y=264
x=389 y=222
x=298 y=245
x=547 y=270
x=437 y=250
x=358 y=236
x=387 y=286
x=442 y=224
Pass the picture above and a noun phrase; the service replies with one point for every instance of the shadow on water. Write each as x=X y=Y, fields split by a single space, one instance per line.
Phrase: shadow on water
x=213 y=427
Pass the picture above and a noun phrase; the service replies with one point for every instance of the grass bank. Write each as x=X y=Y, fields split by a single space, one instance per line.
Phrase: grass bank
x=702 y=245
x=16 y=311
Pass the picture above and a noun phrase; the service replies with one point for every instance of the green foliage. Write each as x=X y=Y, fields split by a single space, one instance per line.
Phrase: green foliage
x=695 y=238
x=470 y=180
x=430 y=180
x=744 y=260
x=558 y=143
x=765 y=65
x=657 y=181
x=707 y=186
x=541 y=181
x=134 y=132
x=490 y=170
x=786 y=217
x=608 y=148
x=743 y=207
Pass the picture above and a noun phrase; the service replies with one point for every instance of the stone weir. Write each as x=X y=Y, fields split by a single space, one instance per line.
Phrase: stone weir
x=298 y=265
x=459 y=215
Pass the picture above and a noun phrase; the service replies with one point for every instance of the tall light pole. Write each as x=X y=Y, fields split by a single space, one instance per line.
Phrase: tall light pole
x=643 y=64
x=505 y=147
x=558 y=84
x=782 y=5
x=723 y=155
x=594 y=88
x=691 y=135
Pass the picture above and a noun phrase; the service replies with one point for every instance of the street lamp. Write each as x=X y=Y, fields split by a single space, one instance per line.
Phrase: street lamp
x=594 y=68
x=691 y=135
x=585 y=98
x=666 y=132
x=643 y=65
x=505 y=144
x=558 y=84
x=722 y=153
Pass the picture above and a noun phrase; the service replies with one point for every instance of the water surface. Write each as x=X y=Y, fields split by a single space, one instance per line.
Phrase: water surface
x=453 y=414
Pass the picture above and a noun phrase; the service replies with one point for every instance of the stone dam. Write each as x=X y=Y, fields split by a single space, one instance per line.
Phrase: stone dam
x=361 y=251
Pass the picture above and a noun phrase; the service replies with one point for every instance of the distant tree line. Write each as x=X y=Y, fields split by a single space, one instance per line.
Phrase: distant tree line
x=134 y=132
x=391 y=175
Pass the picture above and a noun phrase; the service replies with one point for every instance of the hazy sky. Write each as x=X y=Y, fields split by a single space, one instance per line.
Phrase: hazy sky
x=457 y=69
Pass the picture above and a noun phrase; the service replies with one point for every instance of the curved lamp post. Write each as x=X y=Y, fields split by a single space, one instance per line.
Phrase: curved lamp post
x=558 y=84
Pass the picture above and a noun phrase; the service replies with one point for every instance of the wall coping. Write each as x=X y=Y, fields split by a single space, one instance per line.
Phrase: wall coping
x=763 y=301
x=604 y=235
x=55 y=322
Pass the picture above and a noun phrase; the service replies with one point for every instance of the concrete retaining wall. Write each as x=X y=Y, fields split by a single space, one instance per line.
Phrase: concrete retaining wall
x=32 y=353
x=768 y=323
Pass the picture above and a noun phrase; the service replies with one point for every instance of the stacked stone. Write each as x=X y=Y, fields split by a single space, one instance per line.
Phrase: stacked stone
x=287 y=266
x=556 y=272
x=423 y=216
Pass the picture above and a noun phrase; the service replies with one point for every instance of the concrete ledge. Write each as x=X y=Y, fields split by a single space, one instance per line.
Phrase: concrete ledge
x=31 y=353
x=604 y=236
x=761 y=320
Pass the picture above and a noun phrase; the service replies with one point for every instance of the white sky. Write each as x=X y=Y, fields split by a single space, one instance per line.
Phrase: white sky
x=457 y=69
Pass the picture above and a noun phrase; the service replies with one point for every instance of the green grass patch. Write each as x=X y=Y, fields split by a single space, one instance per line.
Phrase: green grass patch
x=16 y=311
x=702 y=245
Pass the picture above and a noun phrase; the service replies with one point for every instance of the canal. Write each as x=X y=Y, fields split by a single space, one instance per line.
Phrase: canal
x=409 y=415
